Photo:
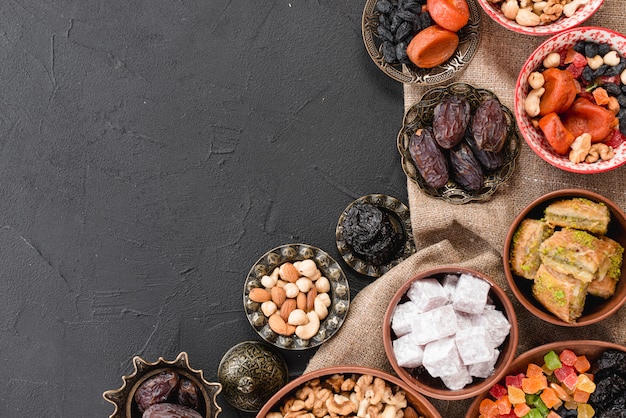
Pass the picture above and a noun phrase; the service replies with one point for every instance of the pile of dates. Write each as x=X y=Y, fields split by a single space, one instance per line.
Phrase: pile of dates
x=398 y=22
x=460 y=145
x=168 y=395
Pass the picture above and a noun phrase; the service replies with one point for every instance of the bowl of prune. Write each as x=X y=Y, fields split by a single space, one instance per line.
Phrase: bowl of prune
x=374 y=234
x=563 y=257
x=164 y=388
x=450 y=332
x=348 y=391
x=576 y=378
x=543 y=18
x=570 y=100
x=422 y=42
x=296 y=296
x=458 y=143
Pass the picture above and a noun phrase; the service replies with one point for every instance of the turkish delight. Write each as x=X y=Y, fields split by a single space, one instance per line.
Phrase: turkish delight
x=486 y=368
x=427 y=294
x=441 y=357
x=402 y=317
x=470 y=295
x=408 y=353
x=434 y=324
x=457 y=380
x=474 y=345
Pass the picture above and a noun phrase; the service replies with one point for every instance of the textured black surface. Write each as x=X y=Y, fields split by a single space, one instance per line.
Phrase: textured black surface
x=150 y=152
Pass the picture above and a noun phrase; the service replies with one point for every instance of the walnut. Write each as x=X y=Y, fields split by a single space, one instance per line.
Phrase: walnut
x=600 y=151
x=339 y=405
x=335 y=382
x=580 y=148
x=552 y=11
x=368 y=387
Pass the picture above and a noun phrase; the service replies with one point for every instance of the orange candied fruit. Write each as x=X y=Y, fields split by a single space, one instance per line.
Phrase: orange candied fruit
x=521 y=409
x=549 y=398
x=580 y=396
x=534 y=384
x=582 y=364
x=584 y=383
x=516 y=395
x=533 y=370
x=488 y=408
x=560 y=392
x=504 y=405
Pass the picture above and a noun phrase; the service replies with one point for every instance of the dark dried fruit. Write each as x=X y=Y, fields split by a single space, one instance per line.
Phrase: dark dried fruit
x=609 y=398
x=156 y=389
x=169 y=410
x=403 y=31
x=187 y=393
x=384 y=33
x=383 y=6
x=429 y=158
x=466 y=169
x=450 y=119
x=489 y=126
x=489 y=160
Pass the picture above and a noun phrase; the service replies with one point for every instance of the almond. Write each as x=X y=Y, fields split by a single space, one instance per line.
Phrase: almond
x=310 y=299
x=409 y=412
x=288 y=306
x=278 y=324
x=278 y=295
x=258 y=294
x=288 y=272
x=301 y=301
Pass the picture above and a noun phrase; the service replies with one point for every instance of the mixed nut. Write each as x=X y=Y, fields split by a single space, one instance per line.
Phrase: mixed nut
x=531 y=13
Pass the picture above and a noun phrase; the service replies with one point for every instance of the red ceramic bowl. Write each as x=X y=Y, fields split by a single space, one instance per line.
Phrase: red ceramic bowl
x=533 y=135
x=596 y=309
x=590 y=348
x=419 y=379
x=414 y=399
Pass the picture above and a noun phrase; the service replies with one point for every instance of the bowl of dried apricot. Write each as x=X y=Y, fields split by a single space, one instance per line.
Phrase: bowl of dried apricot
x=582 y=378
x=450 y=332
x=540 y=18
x=563 y=257
x=570 y=100
x=342 y=391
x=296 y=296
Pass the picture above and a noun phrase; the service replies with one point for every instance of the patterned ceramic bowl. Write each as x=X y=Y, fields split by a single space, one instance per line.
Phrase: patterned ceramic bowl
x=533 y=135
x=582 y=13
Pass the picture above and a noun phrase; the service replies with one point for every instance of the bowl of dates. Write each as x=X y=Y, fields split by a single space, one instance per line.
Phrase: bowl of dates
x=570 y=100
x=296 y=296
x=450 y=332
x=458 y=143
x=164 y=388
x=563 y=257
x=348 y=391
x=577 y=378
x=390 y=26
x=545 y=18
x=374 y=234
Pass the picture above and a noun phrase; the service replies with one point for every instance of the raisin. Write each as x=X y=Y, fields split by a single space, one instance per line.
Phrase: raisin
x=396 y=21
x=489 y=160
x=466 y=168
x=450 y=120
x=622 y=100
x=168 y=410
x=403 y=31
x=156 y=389
x=389 y=52
x=384 y=33
x=591 y=49
x=612 y=89
x=587 y=74
x=383 y=6
x=429 y=158
x=579 y=47
x=401 y=52
x=489 y=126
x=603 y=49
x=383 y=20
x=406 y=15
x=188 y=393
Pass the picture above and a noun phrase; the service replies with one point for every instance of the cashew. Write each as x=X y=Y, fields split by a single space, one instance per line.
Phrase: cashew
x=536 y=80
x=552 y=60
x=611 y=58
x=319 y=308
x=274 y=414
x=268 y=281
x=531 y=104
x=509 y=9
x=308 y=330
x=268 y=308
x=526 y=17
x=389 y=412
x=580 y=148
x=322 y=285
x=298 y=317
x=274 y=273
x=538 y=6
x=570 y=8
x=595 y=62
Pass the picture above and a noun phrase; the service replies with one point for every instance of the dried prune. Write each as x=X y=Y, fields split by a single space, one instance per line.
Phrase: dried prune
x=450 y=119
x=187 y=393
x=489 y=126
x=489 y=160
x=169 y=410
x=157 y=389
x=429 y=158
x=466 y=169
x=609 y=398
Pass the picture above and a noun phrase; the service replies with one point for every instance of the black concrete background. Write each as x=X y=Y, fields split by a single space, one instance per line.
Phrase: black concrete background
x=150 y=152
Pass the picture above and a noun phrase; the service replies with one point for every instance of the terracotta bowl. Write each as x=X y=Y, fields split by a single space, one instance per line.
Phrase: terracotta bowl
x=418 y=378
x=563 y=23
x=414 y=399
x=590 y=348
x=533 y=135
x=596 y=309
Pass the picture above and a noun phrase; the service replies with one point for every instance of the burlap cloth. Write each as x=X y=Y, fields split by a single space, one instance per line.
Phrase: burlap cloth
x=473 y=234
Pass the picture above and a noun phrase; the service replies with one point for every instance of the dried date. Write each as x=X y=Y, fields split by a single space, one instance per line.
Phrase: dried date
x=429 y=158
x=169 y=410
x=489 y=160
x=489 y=126
x=466 y=169
x=156 y=389
x=188 y=393
x=450 y=120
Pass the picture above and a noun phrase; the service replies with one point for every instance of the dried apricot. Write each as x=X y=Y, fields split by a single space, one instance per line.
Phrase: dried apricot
x=449 y=14
x=560 y=91
x=432 y=46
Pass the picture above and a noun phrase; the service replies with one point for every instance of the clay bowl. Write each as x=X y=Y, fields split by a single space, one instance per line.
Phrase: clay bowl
x=596 y=309
x=419 y=378
x=583 y=13
x=590 y=348
x=533 y=135
x=124 y=397
x=414 y=399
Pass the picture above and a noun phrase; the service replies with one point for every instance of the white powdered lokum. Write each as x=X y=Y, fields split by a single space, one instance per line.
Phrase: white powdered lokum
x=441 y=357
x=434 y=324
x=408 y=353
x=497 y=325
x=402 y=317
x=470 y=294
x=464 y=320
x=474 y=345
x=484 y=369
x=449 y=284
x=427 y=294
x=457 y=380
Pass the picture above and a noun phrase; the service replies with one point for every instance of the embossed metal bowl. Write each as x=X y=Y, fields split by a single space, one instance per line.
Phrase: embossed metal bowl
x=339 y=295
x=251 y=373
x=469 y=38
x=401 y=222
x=421 y=115
x=124 y=397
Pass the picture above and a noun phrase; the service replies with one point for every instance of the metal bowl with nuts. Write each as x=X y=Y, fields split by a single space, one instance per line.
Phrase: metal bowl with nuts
x=296 y=296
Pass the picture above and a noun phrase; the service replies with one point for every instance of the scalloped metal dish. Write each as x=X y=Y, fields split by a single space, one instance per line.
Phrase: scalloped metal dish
x=403 y=217
x=421 y=114
x=339 y=294
x=469 y=38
